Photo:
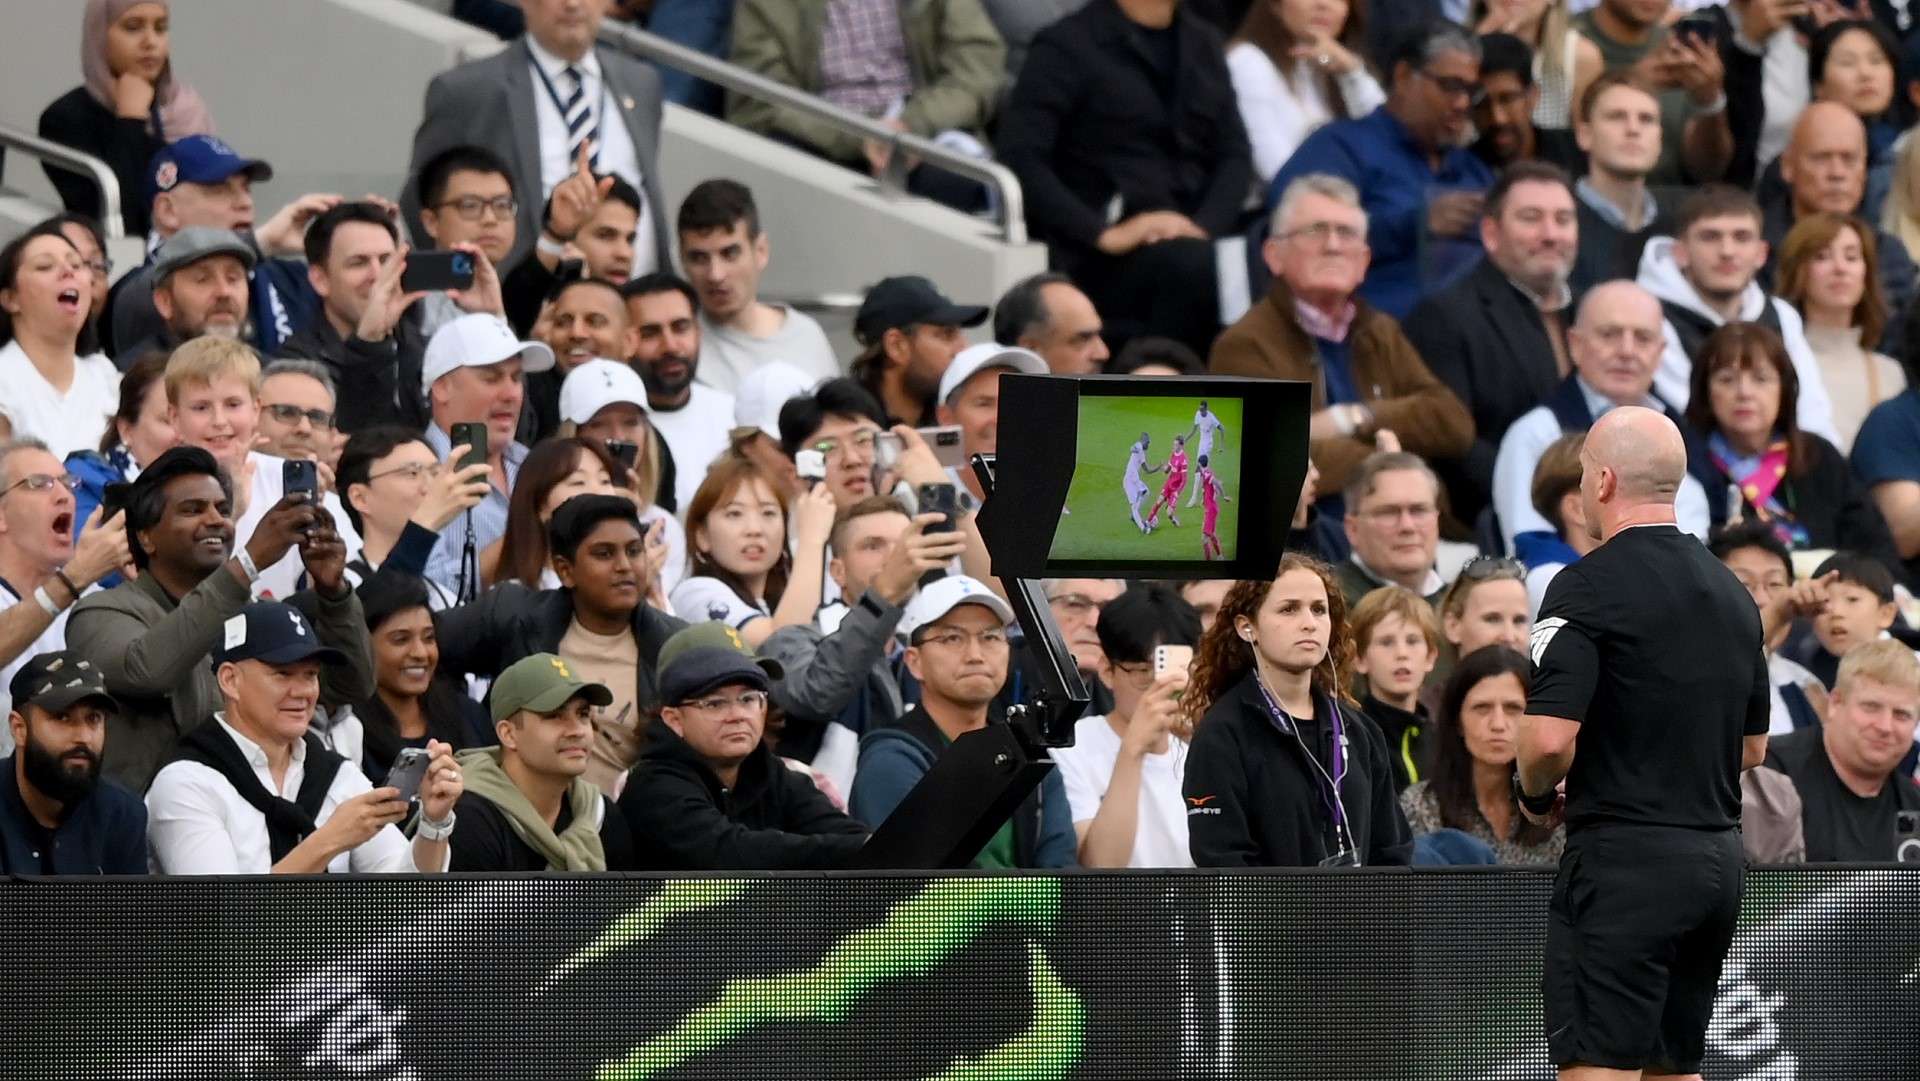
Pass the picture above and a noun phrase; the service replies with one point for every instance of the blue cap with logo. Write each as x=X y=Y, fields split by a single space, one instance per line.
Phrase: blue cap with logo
x=275 y=633
x=200 y=159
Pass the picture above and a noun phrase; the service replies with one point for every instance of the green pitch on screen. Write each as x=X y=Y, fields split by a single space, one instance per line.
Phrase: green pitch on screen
x=1099 y=525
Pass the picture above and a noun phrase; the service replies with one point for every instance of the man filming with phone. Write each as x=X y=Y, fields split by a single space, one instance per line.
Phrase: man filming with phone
x=253 y=792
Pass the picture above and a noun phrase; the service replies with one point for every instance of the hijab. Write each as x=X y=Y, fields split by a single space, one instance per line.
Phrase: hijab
x=178 y=108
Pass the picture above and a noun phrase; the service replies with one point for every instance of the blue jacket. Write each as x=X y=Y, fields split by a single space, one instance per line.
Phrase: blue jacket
x=893 y=759
x=104 y=834
x=1378 y=155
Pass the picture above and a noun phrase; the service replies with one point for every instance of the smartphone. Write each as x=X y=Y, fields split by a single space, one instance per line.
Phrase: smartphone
x=1906 y=836
x=299 y=475
x=945 y=442
x=941 y=499
x=810 y=464
x=1701 y=29
x=1167 y=658
x=409 y=769
x=471 y=434
x=623 y=452
x=437 y=271
x=887 y=449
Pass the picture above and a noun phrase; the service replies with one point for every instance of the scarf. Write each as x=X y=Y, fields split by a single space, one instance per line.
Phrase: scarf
x=178 y=109
x=576 y=848
x=288 y=822
x=1758 y=479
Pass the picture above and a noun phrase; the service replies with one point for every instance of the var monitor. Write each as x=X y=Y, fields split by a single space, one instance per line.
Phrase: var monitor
x=1129 y=477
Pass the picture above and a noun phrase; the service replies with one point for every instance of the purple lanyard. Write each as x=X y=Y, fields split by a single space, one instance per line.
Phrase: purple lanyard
x=1336 y=808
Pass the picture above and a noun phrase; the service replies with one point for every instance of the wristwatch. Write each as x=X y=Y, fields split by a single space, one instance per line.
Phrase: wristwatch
x=1534 y=805
x=429 y=830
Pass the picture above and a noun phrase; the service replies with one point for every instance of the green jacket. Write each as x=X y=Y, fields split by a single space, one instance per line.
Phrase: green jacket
x=956 y=57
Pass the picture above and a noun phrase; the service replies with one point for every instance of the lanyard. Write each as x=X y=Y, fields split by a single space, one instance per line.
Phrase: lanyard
x=599 y=113
x=1327 y=784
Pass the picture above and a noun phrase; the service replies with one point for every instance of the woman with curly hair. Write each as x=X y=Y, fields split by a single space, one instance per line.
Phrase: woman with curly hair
x=1284 y=769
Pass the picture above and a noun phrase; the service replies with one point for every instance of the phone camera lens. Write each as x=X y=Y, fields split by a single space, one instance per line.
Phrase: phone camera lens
x=462 y=263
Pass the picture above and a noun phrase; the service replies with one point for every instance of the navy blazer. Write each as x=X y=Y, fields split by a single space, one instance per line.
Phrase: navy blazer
x=104 y=834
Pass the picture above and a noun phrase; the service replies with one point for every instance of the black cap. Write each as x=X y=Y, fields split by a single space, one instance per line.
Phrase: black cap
x=58 y=681
x=707 y=656
x=906 y=301
x=273 y=632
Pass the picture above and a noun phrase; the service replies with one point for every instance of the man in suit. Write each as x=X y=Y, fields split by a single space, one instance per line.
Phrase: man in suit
x=1497 y=338
x=536 y=104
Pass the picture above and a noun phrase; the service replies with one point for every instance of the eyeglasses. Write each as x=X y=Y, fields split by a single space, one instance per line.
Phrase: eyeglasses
x=1455 y=88
x=1077 y=604
x=1139 y=674
x=40 y=482
x=471 y=207
x=750 y=701
x=860 y=440
x=412 y=472
x=101 y=266
x=990 y=639
x=1322 y=231
x=291 y=414
x=1419 y=512
x=1485 y=568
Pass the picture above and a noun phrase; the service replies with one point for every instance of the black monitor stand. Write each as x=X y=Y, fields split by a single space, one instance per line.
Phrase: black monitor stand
x=977 y=784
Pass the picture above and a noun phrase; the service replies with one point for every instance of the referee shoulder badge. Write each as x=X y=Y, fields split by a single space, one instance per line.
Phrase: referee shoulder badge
x=1542 y=636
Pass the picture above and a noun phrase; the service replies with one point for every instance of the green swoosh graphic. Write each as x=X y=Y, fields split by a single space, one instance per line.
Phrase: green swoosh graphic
x=915 y=936
x=674 y=899
x=1049 y=1048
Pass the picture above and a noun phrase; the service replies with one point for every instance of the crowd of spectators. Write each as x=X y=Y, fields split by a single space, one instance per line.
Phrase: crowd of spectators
x=604 y=559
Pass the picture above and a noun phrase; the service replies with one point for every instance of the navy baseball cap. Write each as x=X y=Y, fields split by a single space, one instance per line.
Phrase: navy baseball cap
x=906 y=301
x=200 y=159
x=708 y=656
x=273 y=632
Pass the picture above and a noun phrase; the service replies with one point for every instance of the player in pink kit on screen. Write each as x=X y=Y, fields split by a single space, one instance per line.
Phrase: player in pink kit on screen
x=1210 y=497
x=1175 y=484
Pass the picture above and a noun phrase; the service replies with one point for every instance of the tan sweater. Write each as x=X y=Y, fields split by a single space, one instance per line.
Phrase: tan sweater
x=1857 y=380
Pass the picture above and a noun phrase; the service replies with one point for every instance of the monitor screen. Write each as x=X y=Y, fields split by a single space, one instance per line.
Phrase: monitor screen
x=1154 y=479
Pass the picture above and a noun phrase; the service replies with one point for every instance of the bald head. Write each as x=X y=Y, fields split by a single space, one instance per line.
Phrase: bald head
x=1618 y=299
x=1826 y=162
x=1644 y=452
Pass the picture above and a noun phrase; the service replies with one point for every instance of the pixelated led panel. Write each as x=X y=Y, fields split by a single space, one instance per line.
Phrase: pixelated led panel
x=1285 y=975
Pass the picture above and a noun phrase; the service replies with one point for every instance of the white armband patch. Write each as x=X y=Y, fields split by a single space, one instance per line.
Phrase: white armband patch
x=1542 y=636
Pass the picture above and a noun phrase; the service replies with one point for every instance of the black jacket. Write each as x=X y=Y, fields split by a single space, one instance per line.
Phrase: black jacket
x=1254 y=800
x=1086 y=125
x=1607 y=252
x=375 y=382
x=1409 y=740
x=1827 y=499
x=773 y=819
x=103 y=834
x=76 y=120
x=510 y=621
x=1487 y=342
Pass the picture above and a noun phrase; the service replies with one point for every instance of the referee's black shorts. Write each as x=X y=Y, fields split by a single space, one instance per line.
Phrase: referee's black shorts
x=1641 y=920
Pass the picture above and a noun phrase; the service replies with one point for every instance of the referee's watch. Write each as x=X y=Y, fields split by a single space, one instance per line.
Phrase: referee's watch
x=1534 y=805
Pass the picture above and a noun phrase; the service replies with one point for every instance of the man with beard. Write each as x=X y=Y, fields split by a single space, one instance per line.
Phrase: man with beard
x=151 y=635
x=1504 y=114
x=692 y=418
x=56 y=816
x=1498 y=337
x=909 y=333
x=587 y=320
x=43 y=571
x=199 y=287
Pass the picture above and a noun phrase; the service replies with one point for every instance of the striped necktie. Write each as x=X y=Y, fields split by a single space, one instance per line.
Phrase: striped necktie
x=581 y=125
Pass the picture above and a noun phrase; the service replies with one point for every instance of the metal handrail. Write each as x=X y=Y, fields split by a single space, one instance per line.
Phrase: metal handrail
x=74 y=161
x=1012 y=203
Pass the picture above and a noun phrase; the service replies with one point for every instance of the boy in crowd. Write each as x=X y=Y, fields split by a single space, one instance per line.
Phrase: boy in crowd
x=1859 y=608
x=1397 y=642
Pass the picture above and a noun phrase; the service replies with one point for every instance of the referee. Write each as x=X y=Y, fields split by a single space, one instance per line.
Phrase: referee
x=1649 y=697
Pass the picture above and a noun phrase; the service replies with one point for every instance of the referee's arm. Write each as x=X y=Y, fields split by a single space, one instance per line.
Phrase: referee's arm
x=1753 y=738
x=1566 y=668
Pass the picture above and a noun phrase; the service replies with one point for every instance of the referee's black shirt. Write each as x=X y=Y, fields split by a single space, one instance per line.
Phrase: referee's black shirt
x=1654 y=647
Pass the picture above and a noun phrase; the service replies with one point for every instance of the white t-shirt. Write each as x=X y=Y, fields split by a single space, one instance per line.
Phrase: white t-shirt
x=729 y=356
x=197 y=824
x=701 y=599
x=1160 y=839
x=696 y=434
x=64 y=422
x=282 y=580
x=53 y=638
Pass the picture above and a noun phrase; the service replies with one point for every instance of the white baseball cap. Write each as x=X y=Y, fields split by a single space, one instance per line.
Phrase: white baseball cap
x=476 y=340
x=978 y=358
x=758 y=398
x=599 y=383
x=935 y=601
